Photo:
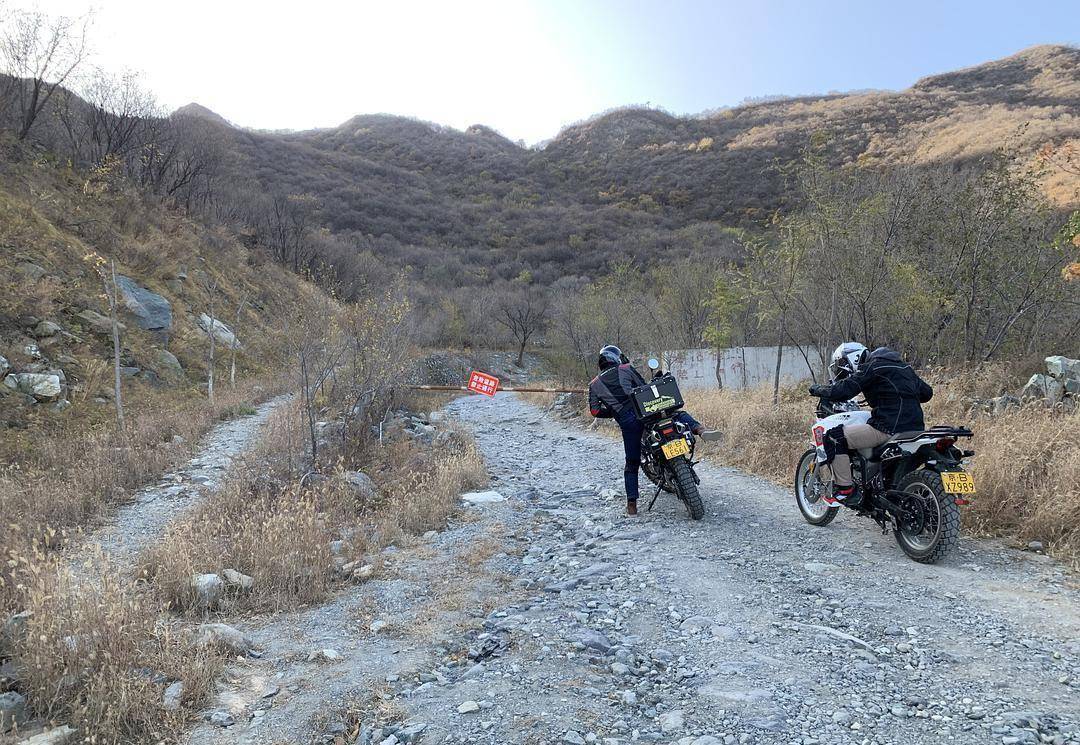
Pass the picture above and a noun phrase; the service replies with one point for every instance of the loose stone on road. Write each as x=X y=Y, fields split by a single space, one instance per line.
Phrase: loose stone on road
x=547 y=616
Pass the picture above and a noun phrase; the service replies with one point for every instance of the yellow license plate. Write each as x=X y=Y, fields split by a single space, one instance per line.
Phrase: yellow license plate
x=958 y=482
x=675 y=448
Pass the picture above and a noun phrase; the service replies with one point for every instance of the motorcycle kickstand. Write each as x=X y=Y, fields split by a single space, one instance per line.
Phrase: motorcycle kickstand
x=655 y=497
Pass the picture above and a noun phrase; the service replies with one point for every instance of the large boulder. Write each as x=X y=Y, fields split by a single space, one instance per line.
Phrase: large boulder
x=150 y=310
x=167 y=366
x=46 y=329
x=361 y=485
x=1043 y=386
x=1066 y=371
x=29 y=270
x=209 y=589
x=223 y=335
x=43 y=387
x=55 y=736
x=238 y=580
x=1063 y=367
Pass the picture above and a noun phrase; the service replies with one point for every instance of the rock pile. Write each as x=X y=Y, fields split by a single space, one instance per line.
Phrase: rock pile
x=1058 y=386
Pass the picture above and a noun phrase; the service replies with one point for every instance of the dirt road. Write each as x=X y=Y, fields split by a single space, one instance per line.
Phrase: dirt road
x=551 y=617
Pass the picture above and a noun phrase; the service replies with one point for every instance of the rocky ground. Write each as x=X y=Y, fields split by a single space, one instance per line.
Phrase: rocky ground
x=544 y=615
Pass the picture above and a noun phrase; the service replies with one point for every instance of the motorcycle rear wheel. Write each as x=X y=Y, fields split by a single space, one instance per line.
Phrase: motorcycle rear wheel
x=933 y=529
x=687 y=489
x=814 y=511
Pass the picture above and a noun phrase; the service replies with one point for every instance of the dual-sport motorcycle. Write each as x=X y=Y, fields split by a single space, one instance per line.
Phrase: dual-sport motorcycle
x=667 y=445
x=913 y=484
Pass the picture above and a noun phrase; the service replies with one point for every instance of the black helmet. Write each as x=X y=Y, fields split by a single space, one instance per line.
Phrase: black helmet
x=611 y=356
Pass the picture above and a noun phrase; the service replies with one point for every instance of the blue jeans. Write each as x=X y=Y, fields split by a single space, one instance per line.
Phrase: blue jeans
x=632 y=430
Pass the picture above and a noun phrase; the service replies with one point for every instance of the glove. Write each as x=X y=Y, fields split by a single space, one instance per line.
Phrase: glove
x=818 y=390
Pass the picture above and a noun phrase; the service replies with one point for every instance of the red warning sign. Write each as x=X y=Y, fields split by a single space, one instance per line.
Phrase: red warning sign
x=483 y=383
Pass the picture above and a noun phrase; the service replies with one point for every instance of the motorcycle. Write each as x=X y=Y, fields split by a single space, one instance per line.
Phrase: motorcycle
x=667 y=445
x=913 y=484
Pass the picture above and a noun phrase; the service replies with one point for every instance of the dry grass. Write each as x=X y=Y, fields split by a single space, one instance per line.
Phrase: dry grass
x=757 y=437
x=1026 y=467
x=97 y=654
x=261 y=523
x=421 y=484
x=272 y=524
x=68 y=473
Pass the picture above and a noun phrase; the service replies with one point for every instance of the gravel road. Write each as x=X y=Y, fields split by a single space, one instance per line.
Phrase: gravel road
x=551 y=617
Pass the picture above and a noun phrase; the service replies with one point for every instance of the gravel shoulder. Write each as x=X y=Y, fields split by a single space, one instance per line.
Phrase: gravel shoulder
x=551 y=617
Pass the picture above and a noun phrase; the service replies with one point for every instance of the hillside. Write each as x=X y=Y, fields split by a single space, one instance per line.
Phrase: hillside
x=56 y=226
x=465 y=205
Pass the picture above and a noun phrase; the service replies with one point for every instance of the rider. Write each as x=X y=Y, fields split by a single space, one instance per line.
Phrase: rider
x=895 y=394
x=609 y=398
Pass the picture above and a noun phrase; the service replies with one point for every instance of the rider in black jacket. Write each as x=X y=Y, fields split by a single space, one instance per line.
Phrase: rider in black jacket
x=895 y=394
x=609 y=398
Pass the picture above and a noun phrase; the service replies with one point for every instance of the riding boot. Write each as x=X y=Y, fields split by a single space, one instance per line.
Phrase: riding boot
x=849 y=495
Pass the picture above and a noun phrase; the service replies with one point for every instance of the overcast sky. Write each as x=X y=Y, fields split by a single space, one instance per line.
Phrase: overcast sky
x=529 y=68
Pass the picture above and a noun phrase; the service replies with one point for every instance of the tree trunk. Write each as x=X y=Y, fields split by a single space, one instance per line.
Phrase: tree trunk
x=210 y=373
x=779 y=360
x=116 y=350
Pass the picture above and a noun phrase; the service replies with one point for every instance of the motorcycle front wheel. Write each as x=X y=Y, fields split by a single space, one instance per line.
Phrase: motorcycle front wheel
x=930 y=527
x=687 y=489
x=814 y=509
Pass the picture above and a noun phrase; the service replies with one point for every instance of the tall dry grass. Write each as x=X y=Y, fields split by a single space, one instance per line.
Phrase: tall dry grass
x=1026 y=467
x=97 y=654
x=58 y=481
x=275 y=522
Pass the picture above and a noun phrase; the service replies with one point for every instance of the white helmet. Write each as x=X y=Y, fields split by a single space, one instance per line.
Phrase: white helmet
x=847 y=359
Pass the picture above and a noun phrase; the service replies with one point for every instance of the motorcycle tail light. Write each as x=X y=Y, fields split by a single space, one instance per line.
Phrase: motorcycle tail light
x=819 y=433
x=667 y=431
x=943 y=445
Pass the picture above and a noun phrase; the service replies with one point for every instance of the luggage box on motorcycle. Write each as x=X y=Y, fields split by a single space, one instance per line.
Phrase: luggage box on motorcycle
x=656 y=397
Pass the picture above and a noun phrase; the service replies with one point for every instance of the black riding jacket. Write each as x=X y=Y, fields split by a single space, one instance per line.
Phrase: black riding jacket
x=892 y=388
x=609 y=392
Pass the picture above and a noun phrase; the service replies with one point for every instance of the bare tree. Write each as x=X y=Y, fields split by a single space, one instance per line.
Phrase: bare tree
x=235 y=343
x=116 y=118
x=111 y=293
x=210 y=286
x=523 y=309
x=40 y=53
x=108 y=282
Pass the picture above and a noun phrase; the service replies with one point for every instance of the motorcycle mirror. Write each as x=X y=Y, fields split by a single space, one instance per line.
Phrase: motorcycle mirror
x=653 y=364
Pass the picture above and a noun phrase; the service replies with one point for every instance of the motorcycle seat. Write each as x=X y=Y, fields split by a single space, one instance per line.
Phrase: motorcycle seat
x=906 y=436
x=876 y=452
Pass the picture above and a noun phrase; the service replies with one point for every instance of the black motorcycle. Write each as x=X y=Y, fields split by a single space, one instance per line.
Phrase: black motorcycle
x=913 y=484
x=667 y=445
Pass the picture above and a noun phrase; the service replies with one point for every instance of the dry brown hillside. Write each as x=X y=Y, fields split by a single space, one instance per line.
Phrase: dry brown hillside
x=461 y=206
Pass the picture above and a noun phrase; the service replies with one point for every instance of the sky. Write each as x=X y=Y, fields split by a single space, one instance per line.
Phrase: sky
x=530 y=67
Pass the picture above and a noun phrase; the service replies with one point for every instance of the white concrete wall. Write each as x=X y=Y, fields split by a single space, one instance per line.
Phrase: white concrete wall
x=739 y=367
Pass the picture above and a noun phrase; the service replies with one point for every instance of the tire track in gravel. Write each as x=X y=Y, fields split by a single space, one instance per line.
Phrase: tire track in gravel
x=551 y=617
